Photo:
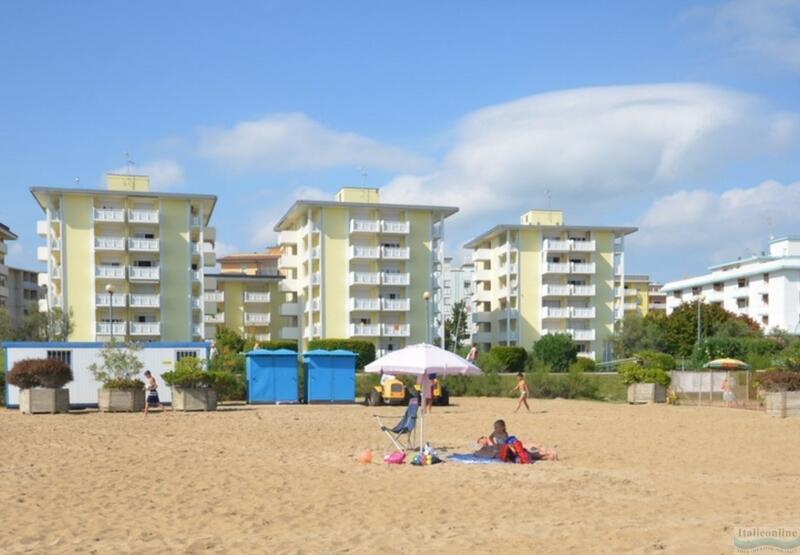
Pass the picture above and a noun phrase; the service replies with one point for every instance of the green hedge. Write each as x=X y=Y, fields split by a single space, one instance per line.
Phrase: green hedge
x=276 y=345
x=364 y=350
x=631 y=373
x=511 y=359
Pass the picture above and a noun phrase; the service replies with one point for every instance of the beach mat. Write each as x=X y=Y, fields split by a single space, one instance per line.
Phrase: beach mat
x=469 y=458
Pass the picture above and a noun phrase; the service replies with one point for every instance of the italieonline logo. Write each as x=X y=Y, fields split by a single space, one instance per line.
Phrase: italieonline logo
x=775 y=540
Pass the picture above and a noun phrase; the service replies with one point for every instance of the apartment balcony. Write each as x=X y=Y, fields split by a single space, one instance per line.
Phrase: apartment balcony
x=209 y=283
x=137 y=244
x=587 y=354
x=256 y=318
x=139 y=216
x=42 y=254
x=583 y=246
x=197 y=331
x=482 y=295
x=310 y=227
x=481 y=254
x=395 y=253
x=582 y=335
x=55 y=244
x=357 y=303
x=628 y=307
x=144 y=273
x=196 y=303
x=555 y=245
x=568 y=245
x=396 y=305
x=583 y=290
x=555 y=268
x=505 y=313
x=313 y=330
x=657 y=306
x=196 y=276
x=396 y=330
x=195 y=220
x=290 y=333
x=481 y=317
x=508 y=269
x=395 y=278
x=315 y=278
x=103 y=300
x=365 y=278
x=108 y=272
x=42 y=228
x=482 y=337
x=482 y=274
x=555 y=290
x=364 y=253
x=145 y=328
x=290 y=309
x=364 y=226
x=365 y=330
x=43 y=279
x=214 y=296
x=289 y=237
x=287 y=261
x=582 y=268
x=398 y=227
x=507 y=335
x=137 y=300
x=109 y=244
x=741 y=292
x=196 y=248
x=582 y=312
x=312 y=305
x=210 y=234
x=628 y=292
x=555 y=312
x=109 y=215
x=315 y=253
x=218 y=318
x=105 y=328
x=256 y=297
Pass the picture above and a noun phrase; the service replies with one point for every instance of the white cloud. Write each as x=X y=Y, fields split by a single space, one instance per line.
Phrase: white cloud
x=165 y=174
x=592 y=144
x=767 y=29
x=295 y=141
x=263 y=221
x=726 y=225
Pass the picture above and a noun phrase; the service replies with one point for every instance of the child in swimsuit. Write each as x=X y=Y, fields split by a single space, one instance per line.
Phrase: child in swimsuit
x=151 y=387
x=522 y=387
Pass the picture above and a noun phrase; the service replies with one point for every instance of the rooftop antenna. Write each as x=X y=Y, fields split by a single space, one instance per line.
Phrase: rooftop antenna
x=549 y=197
x=363 y=173
x=77 y=181
x=129 y=163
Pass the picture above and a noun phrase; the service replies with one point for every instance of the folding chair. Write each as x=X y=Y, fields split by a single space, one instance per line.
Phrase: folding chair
x=403 y=428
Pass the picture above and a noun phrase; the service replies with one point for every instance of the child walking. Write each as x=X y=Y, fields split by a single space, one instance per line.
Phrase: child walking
x=522 y=387
x=151 y=387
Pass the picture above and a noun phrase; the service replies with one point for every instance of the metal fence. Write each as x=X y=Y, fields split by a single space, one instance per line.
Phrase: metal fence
x=705 y=387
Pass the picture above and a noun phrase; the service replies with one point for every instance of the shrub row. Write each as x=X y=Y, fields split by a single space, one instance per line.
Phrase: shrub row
x=39 y=372
x=364 y=350
x=779 y=380
x=277 y=345
x=509 y=359
x=631 y=373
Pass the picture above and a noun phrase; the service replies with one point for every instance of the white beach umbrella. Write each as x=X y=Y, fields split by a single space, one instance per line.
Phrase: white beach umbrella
x=422 y=360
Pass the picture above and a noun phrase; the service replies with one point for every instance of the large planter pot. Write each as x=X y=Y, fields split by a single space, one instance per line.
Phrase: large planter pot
x=647 y=393
x=782 y=403
x=43 y=400
x=194 y=398
x=120 y=400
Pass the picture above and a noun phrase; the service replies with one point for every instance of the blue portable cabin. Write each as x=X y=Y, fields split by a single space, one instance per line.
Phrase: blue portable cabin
x=330 y=376
x=272 y=376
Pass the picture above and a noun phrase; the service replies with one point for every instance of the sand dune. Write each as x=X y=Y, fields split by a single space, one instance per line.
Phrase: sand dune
x=283 y=480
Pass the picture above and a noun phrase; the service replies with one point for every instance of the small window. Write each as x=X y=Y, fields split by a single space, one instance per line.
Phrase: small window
x=718 y=286
x=63 y=356
x=179 y=355
x=696 y=290
x=676 y=294
x=765 y=277
x=765 y=320
x=742 y=303
x=742 y=282
x=765 y=299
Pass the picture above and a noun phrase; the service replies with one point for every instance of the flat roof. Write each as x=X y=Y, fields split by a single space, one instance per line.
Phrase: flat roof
x=783 y=263
x=634 y=277
x=205 y=198
x=748 y=260
x=249 y=256
x=473 y=243
x=446 y=210
x=6 y=233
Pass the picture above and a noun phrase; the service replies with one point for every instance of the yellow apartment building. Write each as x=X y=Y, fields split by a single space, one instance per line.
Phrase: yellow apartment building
x=639 y=294
x=125 y=261
x=358 y=268
x=543 y=276
x=252 y=263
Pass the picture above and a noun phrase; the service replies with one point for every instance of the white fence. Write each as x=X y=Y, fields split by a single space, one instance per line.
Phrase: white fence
x=705 y=387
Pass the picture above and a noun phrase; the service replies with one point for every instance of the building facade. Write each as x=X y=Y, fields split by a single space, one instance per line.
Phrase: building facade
x=766 y=288
x=125 y=261
x=543 y=276
x=5 y=235
x=24 y=294
x=457 y=287
x=252 y=263
x=359 y=268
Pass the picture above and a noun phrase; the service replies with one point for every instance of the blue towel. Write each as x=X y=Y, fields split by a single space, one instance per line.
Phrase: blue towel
x=469 y=458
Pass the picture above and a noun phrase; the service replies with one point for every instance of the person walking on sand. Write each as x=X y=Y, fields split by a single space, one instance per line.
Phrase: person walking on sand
x=151 y=387
x=522 y=387
x=727 y=391
x=472 y=354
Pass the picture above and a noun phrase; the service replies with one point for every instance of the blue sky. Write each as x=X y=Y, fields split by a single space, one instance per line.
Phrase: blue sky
x=682 y=118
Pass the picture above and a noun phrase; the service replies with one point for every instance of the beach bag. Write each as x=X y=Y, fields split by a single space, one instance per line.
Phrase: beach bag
x=505 y=453
x=522 y=456
x=395 y=458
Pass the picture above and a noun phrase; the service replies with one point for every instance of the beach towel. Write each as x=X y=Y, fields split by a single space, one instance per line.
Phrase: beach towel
x=469 y=458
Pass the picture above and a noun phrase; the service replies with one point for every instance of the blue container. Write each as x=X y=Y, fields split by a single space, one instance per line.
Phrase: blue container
x=272 y=376
x=330 y=376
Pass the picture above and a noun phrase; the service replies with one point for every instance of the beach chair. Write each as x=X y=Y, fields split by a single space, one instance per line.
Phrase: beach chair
x=403 y=428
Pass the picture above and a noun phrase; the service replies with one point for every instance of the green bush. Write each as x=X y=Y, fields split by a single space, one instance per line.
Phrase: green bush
x=365 y=350
x=654 y=359
x=489 y=364
x=512 y=359
x=277 y=345
x=119 y=366
x=583 y=364
x=571 y=385
x=557 y=350
x=39 y=372
x=631 y=372
x=190 y=372
x=778 y=380
x=365 y=383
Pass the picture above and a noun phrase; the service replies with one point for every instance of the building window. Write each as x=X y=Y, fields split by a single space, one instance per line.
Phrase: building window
x=179 y=355
x=765 y=320
x=765 y=298
x=742 y=282
x=676 y=294
x=718 y=286
x=696 y=290
x=63 y=356
x=765 y=277
x=742 y=303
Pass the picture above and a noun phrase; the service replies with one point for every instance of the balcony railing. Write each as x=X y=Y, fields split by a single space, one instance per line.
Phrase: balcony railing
x=357 y=251
x=395 y=253
x=582 y=335
x=289 y=309
x=109 y=243
x=315 y=278
x=481 y=254
x=256 y=297
x=552 y=312
x=104 y=300
x=141 y=244
x=582 y=267
x=290 y=333
x=144 y=301
x=396 y=330
x=218 y=318
x=104 y=328
x=364 y=226
x=582 y=312
x=583 y=290
x=391 y=226
x=395 y=278
x=145 y=328
x=556 y=245
x=262 y=336
x=583 y=246
x=555 y=290
x=365 y=278
x=556 y=267
x=587 y=354
x=365 y=330
x=565 y=245
x=196 y=303
x=109 y=215
x=214 y=296
x=312 y=305
x=196 y=275
x=138 y=216
x=196 y=248
x=144 y=273
x=365 y=304
x=396 y=304
x=110 y=272
x=197 y=330
x=257 y=318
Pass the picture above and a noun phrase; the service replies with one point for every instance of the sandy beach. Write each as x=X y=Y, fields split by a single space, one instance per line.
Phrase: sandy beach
x=284 y=480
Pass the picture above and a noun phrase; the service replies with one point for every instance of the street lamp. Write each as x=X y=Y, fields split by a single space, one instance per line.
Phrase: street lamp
x=427 y=296
x=110 y=291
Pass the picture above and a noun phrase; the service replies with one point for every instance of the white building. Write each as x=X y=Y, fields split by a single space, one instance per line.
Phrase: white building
x=766 y=288
x=24 y=293
x=457 y=287
x=5 y=235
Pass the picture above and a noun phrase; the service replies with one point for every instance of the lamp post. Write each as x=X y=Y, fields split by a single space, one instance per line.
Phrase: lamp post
x=110 y=291
x=427 y=296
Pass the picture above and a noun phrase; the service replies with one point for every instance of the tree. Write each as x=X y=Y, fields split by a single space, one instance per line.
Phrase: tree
x=119 y=366
x=53 y=325
x=636 y=333
x=680 y=327
x=557 y=350
x=455 y=327
x=6 y=332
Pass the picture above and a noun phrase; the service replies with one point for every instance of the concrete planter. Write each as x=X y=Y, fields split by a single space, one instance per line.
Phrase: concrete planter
x=782 y=404
x=43 y=400
x=120 y=400
x=194 y=398
x=639 y=393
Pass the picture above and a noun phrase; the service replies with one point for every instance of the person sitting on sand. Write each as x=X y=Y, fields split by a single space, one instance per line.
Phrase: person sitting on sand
x=490 y=445
x=151 y=386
